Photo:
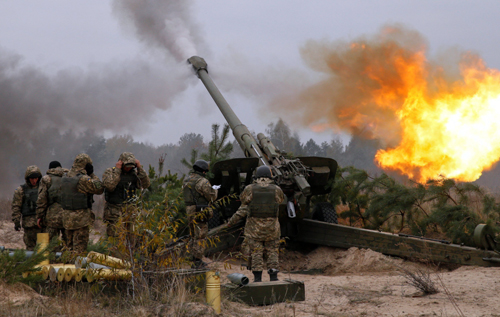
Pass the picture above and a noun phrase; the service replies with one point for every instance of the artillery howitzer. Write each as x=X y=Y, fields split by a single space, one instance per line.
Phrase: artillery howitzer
x=302 y=178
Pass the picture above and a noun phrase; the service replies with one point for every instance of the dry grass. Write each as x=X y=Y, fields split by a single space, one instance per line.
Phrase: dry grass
x=420 y=279
x=108 y=299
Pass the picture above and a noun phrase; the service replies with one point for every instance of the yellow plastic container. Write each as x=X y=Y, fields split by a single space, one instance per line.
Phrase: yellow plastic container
x=213 y=290
x=42 y=239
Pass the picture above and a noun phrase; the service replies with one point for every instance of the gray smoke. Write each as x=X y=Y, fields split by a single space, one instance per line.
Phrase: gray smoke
x=102 y=98
x=119 y=97
x=40 y=112
x=166 y=24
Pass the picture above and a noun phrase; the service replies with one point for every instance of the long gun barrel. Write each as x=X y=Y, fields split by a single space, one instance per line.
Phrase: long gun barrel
x=240 y=131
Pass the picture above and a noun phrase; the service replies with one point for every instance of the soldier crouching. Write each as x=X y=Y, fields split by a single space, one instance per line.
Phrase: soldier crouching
x=24 y=207
x=260 y=204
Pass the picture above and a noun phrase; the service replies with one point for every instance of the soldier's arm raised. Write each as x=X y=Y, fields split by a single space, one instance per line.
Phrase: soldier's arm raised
x=111 y=178
x=143 y=177
x=90 y=185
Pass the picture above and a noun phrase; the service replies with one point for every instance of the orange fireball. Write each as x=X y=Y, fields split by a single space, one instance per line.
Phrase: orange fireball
x=434 y=121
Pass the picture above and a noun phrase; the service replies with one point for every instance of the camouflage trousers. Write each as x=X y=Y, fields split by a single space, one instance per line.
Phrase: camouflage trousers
x=198 y=232
x=55 y=233
x=257 y=251
x=29 y=237
x=78 y=239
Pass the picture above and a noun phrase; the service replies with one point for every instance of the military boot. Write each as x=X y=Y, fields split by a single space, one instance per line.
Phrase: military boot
x=273 y=274
x=257 y=276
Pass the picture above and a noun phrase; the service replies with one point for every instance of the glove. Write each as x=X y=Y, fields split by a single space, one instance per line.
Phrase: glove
x=17 y=226
x=89 y=168
x=216 y=186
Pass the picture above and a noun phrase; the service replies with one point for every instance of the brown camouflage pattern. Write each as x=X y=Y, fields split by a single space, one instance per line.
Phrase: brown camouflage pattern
x=258 y=229
x=77 y=222
x=28 y=223
x=261 y=234
x=51 y=215
x=127 y=158
x=199 y=230
x=110 y=180
x=17 y=200
x=254 y=251
x=78 y=239
x=29 y=236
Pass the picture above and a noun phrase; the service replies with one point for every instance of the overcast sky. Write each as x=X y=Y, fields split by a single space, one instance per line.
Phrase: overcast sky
x=246 y=43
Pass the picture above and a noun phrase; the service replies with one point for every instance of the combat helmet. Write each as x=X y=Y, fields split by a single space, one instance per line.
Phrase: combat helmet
x=201 y=166
x=263 y=172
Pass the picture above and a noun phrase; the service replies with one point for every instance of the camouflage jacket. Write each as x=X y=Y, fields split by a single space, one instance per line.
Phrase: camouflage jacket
x=76 y=219
x=258 y=229
x=17 y=201
x=51 y=214
x=110 y=180
x=204 y=188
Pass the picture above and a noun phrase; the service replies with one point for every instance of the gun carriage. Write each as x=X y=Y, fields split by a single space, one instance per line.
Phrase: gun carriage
x=302 y=178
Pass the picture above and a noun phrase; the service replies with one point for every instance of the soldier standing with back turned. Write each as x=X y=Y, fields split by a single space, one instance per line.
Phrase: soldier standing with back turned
x=121 y=185
x=198 y=194
x=48 y=206
x=24 y=206
x=77 y=189
x=260 y=204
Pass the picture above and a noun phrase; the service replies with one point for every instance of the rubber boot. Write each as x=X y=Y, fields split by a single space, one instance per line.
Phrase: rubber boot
x=257 y=276
x=273 y=274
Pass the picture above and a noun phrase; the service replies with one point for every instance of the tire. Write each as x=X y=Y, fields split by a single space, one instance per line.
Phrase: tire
x=215 y=221
x=325 y=212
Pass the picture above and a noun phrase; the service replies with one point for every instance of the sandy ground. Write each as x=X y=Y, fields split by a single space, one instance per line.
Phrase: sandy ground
x=358 y=282
x=354 y=282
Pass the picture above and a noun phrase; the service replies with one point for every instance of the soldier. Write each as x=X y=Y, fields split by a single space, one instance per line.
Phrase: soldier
x=121 y=185
x=198 y=193
x=260 y=204
x=77 y=189
x=48 y=206
x=24 y=206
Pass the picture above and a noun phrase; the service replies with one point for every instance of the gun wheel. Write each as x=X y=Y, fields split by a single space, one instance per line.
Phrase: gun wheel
x=325 y=212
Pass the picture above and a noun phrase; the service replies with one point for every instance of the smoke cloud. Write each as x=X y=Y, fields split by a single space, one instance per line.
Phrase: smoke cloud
x=164 y=24
x=40 y=112
x=361 y=87
x=118 y=97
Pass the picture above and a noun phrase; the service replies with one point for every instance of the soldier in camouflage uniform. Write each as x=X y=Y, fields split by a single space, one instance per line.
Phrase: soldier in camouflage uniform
x=48 y=206
x=121 y=185
x=77 y=189
x=24 y=206
x=260 y=204
x=198 y=194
